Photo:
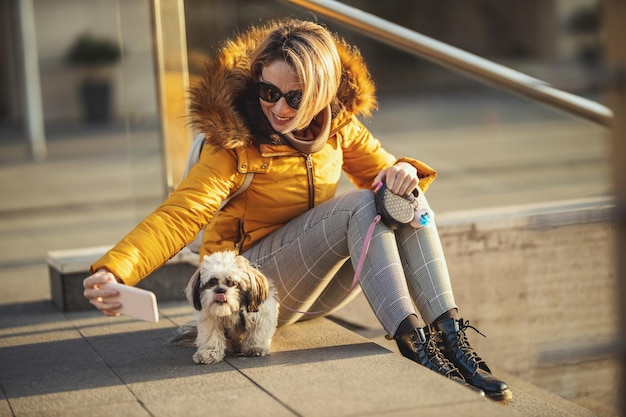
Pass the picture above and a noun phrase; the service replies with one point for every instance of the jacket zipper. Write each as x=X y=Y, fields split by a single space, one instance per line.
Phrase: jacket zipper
x=309 y=173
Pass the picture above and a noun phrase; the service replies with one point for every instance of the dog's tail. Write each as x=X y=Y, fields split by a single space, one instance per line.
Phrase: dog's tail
x=187 y=334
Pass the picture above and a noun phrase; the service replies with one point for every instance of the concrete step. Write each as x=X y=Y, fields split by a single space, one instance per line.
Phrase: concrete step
x=72 y=364
x=68 y=269
x=327 y=358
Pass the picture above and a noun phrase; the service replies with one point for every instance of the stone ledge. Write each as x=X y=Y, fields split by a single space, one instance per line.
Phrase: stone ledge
x=68 y=269
x=533 y=216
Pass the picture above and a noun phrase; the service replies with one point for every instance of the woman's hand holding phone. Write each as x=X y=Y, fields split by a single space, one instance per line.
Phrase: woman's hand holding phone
x=112 y=298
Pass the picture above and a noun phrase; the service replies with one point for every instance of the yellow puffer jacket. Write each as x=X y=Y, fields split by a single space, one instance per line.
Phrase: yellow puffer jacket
x=286 y=182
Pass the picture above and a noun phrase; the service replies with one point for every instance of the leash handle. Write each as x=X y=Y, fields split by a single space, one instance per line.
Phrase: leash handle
x=357 y=272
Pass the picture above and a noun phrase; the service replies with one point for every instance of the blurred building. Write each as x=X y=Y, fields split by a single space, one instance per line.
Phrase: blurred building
x=535 y=36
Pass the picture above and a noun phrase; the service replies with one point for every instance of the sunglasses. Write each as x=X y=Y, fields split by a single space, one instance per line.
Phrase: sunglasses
x=271 y=94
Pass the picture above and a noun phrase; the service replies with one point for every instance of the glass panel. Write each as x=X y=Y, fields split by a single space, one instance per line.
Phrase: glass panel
x=140 y=112
x=103 y=171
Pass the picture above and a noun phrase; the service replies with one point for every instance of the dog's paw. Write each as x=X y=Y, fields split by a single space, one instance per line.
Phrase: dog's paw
x=208 y=356
x=256 y=351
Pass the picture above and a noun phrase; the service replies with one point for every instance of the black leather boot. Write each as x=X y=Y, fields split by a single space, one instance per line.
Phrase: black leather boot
x=418 y=346
x=454 y=345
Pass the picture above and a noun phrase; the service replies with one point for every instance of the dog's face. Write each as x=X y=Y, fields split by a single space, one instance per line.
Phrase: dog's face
x=225 y=284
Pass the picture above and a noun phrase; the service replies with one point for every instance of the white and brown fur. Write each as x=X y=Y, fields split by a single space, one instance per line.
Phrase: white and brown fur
x=237 y=311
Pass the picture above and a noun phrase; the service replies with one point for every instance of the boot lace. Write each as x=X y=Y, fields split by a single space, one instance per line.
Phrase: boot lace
x=438 y=362
x=464 y=347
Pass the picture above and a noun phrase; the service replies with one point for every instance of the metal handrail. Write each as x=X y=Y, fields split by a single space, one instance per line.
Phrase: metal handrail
x=458 y=60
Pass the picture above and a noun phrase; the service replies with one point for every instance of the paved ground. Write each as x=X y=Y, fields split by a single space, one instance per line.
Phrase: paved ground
x=98 y=182
x=77 y=364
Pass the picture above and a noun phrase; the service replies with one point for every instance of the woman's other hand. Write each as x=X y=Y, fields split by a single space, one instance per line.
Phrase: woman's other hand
x=101 y=297
x=401 y=178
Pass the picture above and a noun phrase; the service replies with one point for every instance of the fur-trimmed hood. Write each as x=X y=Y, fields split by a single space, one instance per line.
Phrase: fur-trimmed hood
x=216 y=99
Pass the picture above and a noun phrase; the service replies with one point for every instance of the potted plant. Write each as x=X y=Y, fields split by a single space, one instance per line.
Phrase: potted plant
x=94 y=56
x=585 y=24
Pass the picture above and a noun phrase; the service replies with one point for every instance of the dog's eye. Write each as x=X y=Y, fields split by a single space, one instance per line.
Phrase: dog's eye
x=230 y=283
x=213 y=282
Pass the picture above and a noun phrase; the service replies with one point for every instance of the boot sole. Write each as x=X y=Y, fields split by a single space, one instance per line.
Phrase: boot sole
x=500 y=396
x=472 y=388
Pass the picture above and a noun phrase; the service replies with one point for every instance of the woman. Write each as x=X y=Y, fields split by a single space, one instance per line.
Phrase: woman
x=282 y=101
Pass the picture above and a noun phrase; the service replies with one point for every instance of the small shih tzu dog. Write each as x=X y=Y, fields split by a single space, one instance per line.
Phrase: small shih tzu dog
x=237 y=311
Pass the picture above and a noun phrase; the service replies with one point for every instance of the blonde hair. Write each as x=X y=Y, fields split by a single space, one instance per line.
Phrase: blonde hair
x=310 y=50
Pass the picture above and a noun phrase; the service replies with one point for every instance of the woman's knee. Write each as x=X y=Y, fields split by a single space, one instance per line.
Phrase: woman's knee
x=358 y=200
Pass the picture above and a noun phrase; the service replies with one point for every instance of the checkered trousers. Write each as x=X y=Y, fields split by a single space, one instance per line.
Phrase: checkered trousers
x=311 y=261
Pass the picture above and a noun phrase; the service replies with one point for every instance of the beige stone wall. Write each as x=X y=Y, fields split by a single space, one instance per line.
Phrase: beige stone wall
x=540 y=294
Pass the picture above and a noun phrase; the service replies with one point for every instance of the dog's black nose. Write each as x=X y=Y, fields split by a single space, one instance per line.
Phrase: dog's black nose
x=220 y=290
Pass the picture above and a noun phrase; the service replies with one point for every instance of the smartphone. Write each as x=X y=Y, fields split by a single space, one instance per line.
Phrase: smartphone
x=136 y=302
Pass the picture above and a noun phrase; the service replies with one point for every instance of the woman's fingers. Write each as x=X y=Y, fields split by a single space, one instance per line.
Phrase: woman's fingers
x=99 y=295
x=107 y=307
x=98 y=278
x=401 y=179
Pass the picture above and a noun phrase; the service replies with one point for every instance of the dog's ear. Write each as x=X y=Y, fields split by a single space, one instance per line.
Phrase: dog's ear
x=192 y=292
x=259 y=289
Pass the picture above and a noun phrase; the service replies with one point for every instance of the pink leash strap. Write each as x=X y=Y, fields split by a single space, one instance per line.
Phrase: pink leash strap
x=357 y=272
